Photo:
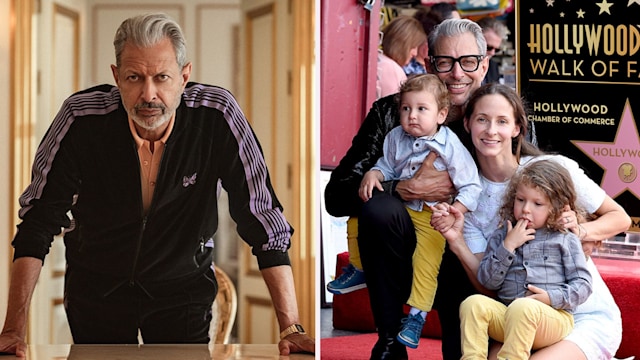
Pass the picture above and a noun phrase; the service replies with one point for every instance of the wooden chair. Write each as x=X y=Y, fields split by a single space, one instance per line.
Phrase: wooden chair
x=224 y=309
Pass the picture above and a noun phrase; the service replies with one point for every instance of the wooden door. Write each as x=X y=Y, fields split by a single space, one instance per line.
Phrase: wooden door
x=58 y=68
x=266 y=100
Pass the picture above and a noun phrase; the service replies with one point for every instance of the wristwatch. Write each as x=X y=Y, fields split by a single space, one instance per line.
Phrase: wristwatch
x=293 y=329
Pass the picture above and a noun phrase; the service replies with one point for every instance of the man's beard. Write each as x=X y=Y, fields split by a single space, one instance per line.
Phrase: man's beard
x=157 y=121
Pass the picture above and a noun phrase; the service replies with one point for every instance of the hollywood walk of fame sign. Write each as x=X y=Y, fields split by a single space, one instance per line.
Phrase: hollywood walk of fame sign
x=578 y=67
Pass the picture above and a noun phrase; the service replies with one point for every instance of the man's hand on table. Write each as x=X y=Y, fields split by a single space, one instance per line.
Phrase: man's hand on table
x=296 y=343
x=12 y=344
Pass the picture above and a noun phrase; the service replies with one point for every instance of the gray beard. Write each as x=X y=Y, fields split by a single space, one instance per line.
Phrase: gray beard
x=150 y=127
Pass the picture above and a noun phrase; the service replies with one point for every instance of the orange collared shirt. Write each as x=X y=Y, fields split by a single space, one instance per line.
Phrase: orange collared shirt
x=149 y=161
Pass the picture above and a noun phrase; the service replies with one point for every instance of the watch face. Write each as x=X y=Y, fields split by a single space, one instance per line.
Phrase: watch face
x=299 y=328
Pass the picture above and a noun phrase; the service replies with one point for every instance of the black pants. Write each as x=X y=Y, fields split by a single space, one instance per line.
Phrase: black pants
x=387 y=240
x=178 y=316
x=453 y=287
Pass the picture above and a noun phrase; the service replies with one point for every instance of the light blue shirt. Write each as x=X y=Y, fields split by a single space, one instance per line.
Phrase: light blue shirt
x=404 y=154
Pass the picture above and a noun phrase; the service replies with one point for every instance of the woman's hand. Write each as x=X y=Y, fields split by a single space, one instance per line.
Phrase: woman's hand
x=569 y=219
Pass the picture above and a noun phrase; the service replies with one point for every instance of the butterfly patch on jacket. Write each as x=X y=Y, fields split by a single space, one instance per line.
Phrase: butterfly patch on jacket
x=189 y=180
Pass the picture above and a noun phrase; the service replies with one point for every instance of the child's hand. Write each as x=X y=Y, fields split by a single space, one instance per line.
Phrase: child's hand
x=369 y=182
x=453 y=235
x=539 y=294
x=518 y=234
x=442 y=219
x=439 y=209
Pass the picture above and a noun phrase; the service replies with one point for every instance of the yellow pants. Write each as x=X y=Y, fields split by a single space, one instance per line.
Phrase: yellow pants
x=426 y=258
x=523 y=325
x=352 y=243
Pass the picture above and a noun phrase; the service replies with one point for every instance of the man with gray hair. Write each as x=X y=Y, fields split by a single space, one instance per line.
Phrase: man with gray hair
x=494 y=33
x=386 y=235
x=138 y=167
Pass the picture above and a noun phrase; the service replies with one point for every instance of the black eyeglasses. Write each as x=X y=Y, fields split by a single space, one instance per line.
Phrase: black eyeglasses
x=468 y=63
x=491 y=48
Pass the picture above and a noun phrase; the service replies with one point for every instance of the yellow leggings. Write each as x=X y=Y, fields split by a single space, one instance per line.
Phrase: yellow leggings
x=426 y=258
x=352 y=243
x=523 y=325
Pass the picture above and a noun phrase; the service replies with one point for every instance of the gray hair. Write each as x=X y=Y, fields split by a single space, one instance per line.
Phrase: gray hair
x=148 y=30
x=456 y=27
x=491 y=23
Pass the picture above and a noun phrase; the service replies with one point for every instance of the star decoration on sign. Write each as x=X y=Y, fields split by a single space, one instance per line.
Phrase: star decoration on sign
x=531 y=11
x=619 y=160
x=562 y=14
x=550 y=3
x=631 y=2
x=580 y=14
x=604 y=7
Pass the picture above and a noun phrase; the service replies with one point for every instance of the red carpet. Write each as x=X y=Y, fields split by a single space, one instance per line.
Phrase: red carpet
x=358 y=347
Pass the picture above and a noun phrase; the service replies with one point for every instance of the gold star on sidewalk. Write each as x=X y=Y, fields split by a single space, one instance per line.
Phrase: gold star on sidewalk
x=604 y=7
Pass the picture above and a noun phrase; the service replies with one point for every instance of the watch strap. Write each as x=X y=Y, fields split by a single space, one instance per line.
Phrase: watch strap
x=293 y=329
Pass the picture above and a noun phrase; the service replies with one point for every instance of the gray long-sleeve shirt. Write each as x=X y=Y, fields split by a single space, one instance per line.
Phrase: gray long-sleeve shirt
x=553 y=261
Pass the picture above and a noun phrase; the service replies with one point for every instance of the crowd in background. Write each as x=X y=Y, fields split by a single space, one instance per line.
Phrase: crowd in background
x=404 y=49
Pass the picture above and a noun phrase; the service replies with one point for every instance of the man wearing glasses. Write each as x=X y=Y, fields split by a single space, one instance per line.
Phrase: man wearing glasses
x=386 y=236
x=494 y=32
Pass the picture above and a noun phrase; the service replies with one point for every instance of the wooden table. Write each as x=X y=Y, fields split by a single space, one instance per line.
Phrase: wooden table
x=156 y=352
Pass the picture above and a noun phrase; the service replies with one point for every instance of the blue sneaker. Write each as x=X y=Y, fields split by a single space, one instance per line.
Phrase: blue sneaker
x=351 y=279
x=411 y=330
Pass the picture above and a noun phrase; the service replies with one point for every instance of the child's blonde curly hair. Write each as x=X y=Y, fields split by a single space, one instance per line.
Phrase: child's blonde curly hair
x=551 y=179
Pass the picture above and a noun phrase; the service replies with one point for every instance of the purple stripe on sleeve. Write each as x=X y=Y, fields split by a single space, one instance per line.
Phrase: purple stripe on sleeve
x=260 y=203
x=81 y=104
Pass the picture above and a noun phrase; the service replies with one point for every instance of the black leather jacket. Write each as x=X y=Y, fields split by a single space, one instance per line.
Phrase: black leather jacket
x=341 y=193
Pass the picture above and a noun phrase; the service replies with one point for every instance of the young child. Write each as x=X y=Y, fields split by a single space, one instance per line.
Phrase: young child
x=537 y=268
x=424 y=105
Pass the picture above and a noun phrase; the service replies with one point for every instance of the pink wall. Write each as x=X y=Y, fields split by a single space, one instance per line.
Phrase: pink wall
x=348 y=47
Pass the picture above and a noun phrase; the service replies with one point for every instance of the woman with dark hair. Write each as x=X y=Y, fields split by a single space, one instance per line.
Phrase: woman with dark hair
x=496 y=122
